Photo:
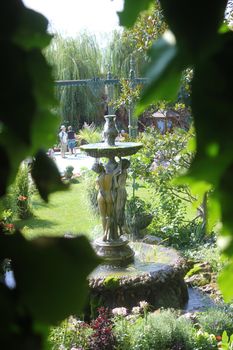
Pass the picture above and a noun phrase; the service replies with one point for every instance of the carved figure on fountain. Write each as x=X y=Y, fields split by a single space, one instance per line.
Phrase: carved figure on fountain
x=112 y=198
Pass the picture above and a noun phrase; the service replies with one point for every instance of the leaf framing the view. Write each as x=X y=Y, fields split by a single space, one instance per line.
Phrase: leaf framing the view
x=164 y=72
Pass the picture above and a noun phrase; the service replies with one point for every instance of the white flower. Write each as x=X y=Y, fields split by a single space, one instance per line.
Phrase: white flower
x=136 y=310
x=143 y=305
x=119 y=311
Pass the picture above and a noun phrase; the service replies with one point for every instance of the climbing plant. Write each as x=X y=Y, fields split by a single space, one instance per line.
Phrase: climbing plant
x=199 y=39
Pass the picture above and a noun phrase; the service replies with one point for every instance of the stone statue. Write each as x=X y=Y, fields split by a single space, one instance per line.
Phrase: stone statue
x=121 y=195
x=105 y=198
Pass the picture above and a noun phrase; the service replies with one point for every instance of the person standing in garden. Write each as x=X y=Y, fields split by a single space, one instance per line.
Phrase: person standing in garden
x=71 y=140
x=63 y=140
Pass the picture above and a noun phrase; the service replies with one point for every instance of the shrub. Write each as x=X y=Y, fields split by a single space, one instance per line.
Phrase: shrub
x=89 y=134
x=216 y=320
x=22 y=190
x=102 y=338
x=70 y=333
x=68 y=172
x=6 y=221
x=207 y=252
x=138 y=215
x=89 y=181
x=161 y=331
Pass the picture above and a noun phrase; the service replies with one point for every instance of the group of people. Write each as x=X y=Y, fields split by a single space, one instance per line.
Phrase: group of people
x=67 y=139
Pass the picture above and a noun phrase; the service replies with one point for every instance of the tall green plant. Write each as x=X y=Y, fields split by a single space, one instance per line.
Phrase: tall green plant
x=22 y=191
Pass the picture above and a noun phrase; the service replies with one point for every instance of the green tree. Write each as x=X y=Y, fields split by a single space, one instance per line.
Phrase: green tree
x=75 y=59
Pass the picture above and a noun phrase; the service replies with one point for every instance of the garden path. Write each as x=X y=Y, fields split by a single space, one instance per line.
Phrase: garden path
x=81 y=160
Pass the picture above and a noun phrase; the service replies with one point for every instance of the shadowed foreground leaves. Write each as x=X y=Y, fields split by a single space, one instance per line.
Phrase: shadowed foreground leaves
x=50 y=273
x=200 y=44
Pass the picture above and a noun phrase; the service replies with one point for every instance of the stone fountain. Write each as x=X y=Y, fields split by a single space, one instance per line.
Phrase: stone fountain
x=112 y=246
x=130 y=271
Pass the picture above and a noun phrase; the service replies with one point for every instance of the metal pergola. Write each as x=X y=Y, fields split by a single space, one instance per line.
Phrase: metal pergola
x=109 y=81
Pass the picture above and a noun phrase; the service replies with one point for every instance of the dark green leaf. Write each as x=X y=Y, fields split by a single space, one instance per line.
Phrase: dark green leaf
x=4 y=170
x=31 y=31
x=212 y=105
x=225 y=281
x=164 y=73
x=17 y=104
x=43 y=130
x=132 y=9
x=51 y=274
x=42 y=81
x=9 y=17
x=46 y=175
x=195 y=23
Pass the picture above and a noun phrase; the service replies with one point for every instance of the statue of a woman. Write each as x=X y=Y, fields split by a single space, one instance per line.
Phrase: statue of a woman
x=121 y=194
x=105 y=184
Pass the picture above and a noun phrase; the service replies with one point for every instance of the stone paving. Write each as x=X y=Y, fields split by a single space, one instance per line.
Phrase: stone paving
x=79 y=161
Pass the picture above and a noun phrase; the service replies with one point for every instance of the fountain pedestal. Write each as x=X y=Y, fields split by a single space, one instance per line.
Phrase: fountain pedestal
x=117 y=252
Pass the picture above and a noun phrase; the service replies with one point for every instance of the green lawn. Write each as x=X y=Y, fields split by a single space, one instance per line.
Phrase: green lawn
x=66 y=212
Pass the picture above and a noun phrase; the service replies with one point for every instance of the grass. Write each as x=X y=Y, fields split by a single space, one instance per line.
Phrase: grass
x=66 y=212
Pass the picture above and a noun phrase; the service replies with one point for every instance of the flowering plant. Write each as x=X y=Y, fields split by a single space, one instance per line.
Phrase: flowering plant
x=102 y=338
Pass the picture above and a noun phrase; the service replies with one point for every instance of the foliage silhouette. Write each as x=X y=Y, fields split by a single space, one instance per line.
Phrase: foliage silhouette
x=207 y=47
x=50 y=274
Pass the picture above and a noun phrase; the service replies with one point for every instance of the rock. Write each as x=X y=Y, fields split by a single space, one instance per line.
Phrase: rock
x=149 y=239
x=198 y=280
x=192 y=316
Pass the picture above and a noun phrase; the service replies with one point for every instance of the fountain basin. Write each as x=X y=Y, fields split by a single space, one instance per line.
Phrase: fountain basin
x=120 y=149
x=156 y=276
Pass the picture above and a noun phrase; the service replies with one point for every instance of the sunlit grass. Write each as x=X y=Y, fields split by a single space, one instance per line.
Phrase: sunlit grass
x=66 y=212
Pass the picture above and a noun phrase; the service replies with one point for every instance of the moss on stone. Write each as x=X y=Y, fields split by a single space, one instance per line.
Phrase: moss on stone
x=194 y=271
x=111 y=282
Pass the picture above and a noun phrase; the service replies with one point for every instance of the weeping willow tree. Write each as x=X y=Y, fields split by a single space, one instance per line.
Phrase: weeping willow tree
x=72 y=59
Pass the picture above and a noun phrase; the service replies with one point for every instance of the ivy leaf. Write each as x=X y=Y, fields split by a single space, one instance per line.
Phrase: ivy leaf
x=164 y=72
x=225 y=282
x=132 y=9
x=51 y=274
x=31 y=32
x=46 y=175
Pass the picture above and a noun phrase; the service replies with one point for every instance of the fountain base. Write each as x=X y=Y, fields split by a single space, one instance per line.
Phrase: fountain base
x=116 y=252
x=156 y=275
